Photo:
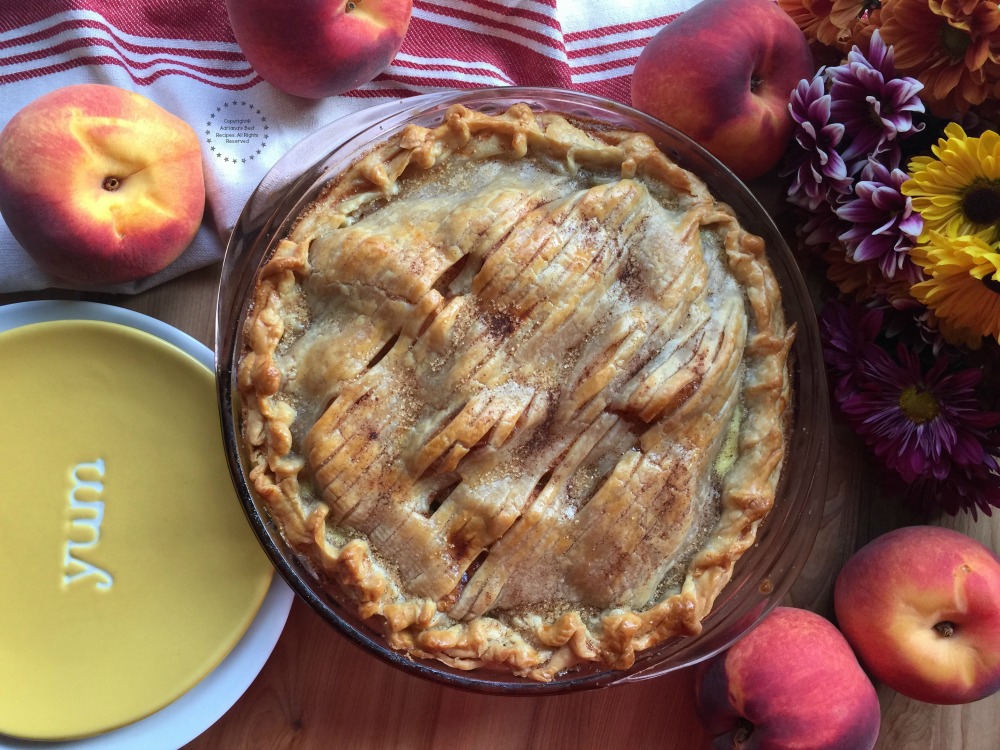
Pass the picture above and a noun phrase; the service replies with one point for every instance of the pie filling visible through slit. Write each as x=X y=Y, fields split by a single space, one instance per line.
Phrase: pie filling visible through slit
x=517 y=386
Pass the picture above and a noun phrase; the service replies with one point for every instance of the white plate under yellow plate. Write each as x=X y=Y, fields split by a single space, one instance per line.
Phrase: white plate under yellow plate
x=130 y=572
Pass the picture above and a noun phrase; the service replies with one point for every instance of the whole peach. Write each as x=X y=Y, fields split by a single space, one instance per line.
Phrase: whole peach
x=792 y=683
x=722 y=74
x=921 y=606
x=318 y=48
x=100 y=185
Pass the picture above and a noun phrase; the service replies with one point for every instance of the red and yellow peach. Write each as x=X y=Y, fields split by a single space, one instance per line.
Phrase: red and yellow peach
x=921 y=607
x=722 y=74
x=791 y=683
x=100 y=185
x=318 y=48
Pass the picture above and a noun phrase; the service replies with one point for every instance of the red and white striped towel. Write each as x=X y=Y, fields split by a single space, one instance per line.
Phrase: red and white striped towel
x=182 y=54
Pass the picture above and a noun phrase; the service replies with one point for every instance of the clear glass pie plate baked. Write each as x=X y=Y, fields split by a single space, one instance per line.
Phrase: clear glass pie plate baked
x=762 y=576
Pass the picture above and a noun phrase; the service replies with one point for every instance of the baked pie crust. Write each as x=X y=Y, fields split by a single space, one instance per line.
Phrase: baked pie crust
x=517 y=384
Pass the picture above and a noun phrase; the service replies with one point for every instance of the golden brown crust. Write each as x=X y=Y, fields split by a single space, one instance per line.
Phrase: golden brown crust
x=518 y=387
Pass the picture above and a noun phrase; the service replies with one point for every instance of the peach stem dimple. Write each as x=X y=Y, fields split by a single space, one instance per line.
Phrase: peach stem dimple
x=111 y=184
x=945 y=628
x=742 y=734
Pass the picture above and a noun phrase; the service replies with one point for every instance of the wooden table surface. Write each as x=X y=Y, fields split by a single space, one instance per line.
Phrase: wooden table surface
x=317 y=691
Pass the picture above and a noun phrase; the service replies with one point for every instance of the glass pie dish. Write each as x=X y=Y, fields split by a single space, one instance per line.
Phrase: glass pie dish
x=763 y=573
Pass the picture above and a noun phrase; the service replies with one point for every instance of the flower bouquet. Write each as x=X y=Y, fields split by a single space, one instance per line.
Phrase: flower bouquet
x=895 y=177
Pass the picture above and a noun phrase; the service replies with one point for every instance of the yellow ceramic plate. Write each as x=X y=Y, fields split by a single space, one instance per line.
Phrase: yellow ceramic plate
x=130 y=571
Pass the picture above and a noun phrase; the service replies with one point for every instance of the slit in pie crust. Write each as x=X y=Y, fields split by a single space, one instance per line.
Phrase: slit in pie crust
x=517 y=385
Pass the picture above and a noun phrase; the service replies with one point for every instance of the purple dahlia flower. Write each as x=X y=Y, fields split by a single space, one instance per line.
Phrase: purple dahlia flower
x=969 y=488
x=819 y=170
x=883 y=224
x=873 y=104
x=920 y=424
x=846 y=330
x=910 y=323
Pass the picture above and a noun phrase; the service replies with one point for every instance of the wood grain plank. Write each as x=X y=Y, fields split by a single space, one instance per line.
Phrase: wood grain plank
x=318 y=690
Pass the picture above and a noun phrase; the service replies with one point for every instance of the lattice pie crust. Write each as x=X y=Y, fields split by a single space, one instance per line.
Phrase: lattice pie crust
x=517 y=384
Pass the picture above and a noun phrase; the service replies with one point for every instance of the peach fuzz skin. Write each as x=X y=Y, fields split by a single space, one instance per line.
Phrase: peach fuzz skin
x=100 y=185
x=921 y=606
x=792 y=683
x=722 y=74
x=319 y=48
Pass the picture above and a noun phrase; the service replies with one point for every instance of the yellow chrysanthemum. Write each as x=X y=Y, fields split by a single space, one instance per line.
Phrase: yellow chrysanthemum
x=957 y=191
x=961 y=286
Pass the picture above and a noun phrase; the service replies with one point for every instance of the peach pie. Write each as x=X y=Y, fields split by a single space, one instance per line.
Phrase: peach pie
x=516 y=386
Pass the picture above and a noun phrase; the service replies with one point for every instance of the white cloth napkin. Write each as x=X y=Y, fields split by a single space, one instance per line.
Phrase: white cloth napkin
x=182 y=55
